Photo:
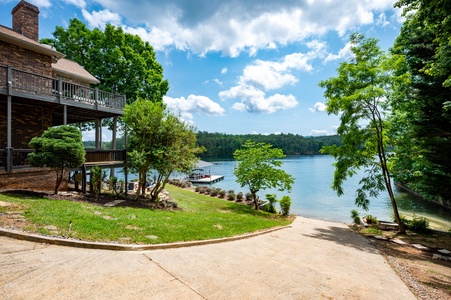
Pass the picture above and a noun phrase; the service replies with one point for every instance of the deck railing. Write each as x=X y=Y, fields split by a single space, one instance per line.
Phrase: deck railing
x=19 y=157
x=29 y=83
x=93 y=156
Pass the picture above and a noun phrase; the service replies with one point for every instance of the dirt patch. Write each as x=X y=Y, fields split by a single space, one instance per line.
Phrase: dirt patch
x=426 y=277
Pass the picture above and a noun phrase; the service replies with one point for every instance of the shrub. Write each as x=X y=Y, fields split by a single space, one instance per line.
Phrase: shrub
x=197 y=189
x=230 y=192
x=271 y=205
x=222 y=193
x=214 y=193
x=113 y=185
x=231 y=196
x=248 y=196
x=285 y=204
x=355 y=216
x=97 y=177
x=371 y=220
x=418 y=223
x=207 y=190
x=239 y=196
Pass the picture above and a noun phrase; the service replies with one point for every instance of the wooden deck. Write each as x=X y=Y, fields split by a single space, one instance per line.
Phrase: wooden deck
x=208 y=180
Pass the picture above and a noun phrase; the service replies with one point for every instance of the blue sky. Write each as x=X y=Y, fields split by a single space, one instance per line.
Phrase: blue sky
x=239 y=66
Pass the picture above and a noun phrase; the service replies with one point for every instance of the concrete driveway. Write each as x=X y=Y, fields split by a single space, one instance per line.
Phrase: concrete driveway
x=312 y=260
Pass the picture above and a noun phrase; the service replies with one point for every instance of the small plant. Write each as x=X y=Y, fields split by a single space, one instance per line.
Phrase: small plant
x=97 y=177
x=214 y=193
x=239 y=196
x=248 y=196
x=197 y=189
x=208 y=190
x=418 y=223
x=285 y=204
x=355 y=216
x=121 y=186
x=371 y=220
x=271 y=205
x=113 y=185
x=222 y=193
x=231 y=196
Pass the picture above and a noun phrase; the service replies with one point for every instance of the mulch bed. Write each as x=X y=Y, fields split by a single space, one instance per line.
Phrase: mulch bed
x=103 y=199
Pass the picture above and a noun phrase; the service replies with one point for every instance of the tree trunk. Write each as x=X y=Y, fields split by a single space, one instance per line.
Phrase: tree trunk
x=388 y=186
x=59 y=179
x=255 y=199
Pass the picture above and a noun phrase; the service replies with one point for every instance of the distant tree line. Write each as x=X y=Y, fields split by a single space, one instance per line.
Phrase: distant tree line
x=224 y=145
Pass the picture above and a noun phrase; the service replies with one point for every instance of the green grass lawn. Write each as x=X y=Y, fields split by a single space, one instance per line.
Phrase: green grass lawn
x=201 y=217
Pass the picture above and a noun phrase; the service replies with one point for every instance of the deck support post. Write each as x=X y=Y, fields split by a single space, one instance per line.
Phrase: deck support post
x=65 y=114
x=9 y=152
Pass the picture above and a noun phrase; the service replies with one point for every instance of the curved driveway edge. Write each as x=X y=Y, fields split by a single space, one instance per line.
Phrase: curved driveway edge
x=21 y=235
x=313 y=259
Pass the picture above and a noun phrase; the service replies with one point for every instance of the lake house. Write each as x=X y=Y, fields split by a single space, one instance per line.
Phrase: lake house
x=39 y=89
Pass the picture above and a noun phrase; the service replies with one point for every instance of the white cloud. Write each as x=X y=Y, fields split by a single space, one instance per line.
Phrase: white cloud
x=317 y=132
x=255 y=101
x=233 y=27
x=40 y=3
x=318 y=107
x=345 y=52
x=217 y=81
x=224 y=71
x=77 y=3
x=193 y=104
x=101 y=18
x=262 y=76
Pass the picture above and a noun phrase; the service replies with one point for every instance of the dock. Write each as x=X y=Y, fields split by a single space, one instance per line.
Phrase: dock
x=207 y=179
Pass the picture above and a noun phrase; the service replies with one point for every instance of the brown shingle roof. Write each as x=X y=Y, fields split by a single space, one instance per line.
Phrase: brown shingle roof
x=72 y=69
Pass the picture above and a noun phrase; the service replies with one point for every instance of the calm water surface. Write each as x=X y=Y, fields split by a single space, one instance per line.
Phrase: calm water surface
x=312 y=195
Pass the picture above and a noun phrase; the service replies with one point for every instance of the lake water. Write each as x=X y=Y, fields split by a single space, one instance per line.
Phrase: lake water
x=312 y=195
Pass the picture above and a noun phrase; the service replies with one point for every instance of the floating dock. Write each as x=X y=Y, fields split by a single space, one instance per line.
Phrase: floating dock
x=207 y=179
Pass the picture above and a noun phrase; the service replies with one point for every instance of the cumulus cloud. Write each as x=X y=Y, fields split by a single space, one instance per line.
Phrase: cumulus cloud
x=193 y=104
x=318 y=107
x=224 y=71
x=260 y=77
x=345 y=52
x=233 y=27
x=219 y=82
x=40 y=3
x=255 y=101
x=319 y=132
x=77 y=3
x=101 y=18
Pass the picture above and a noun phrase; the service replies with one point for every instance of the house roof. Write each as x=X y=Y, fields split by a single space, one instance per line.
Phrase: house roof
x=10 y=36
x=74 y=70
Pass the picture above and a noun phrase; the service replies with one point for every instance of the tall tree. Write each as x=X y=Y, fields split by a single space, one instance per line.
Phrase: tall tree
x=425 y=42
x=258 y=169
x=58 y=148
x=122 y=62
x=159 y=141
x=359 y=95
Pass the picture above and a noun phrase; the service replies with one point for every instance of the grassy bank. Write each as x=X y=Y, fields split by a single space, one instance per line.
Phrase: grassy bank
x=201 y=217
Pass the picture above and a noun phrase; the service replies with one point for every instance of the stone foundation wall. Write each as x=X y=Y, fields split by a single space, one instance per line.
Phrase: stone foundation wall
x=37 y=179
